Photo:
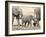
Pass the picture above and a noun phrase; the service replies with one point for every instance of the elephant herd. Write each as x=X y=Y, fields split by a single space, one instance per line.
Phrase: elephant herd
x=30 y=20
x=26 y=19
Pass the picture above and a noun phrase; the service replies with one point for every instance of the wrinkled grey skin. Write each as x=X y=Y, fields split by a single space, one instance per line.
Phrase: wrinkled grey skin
x=27 y=19
x=36 y=22
x=17 y=12
x=38 y=16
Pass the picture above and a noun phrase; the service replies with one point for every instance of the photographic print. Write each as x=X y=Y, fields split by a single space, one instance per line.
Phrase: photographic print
x=24 y=18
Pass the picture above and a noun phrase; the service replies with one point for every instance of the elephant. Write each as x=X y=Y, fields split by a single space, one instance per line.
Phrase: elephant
x=36 y=22
x=16 y=12
x=27 y=19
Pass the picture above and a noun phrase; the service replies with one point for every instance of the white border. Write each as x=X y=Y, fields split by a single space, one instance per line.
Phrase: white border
x=23 y=31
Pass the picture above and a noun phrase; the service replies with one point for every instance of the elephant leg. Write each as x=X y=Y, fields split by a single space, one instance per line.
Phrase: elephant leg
x=34 y=24
x=25 y=23
x=28 y=23
x=38 y=23
x=22 y=22
x=12 y=19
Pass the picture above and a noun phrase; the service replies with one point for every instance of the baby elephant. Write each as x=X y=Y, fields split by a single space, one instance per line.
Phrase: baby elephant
x=26 y=20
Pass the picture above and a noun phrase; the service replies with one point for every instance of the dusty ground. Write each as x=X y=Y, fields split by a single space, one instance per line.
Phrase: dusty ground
x=20 y=27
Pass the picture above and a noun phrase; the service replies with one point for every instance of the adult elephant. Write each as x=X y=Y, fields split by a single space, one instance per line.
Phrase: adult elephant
x=17 y=12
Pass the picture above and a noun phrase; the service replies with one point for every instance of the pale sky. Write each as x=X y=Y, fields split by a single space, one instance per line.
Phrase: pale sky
x=27 y=10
